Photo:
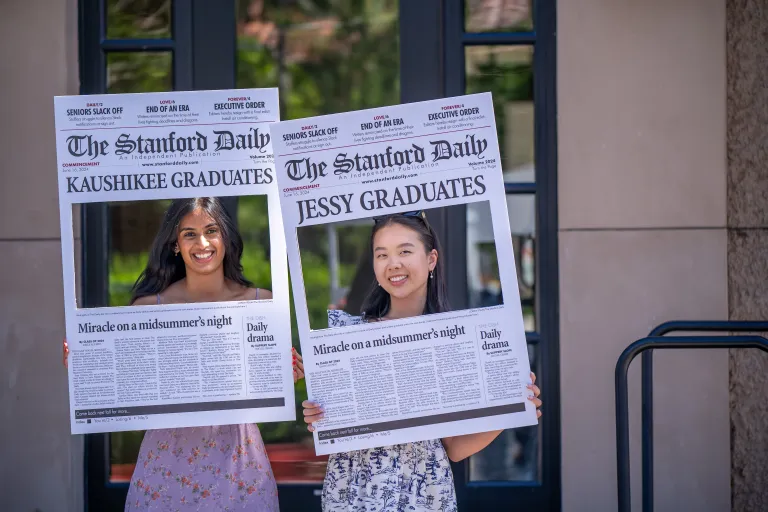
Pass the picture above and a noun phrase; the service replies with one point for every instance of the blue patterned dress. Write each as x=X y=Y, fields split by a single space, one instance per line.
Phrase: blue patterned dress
x=402 y=477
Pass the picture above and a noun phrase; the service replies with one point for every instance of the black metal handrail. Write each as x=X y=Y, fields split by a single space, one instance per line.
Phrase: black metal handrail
x=622 y=399
x=647 y=385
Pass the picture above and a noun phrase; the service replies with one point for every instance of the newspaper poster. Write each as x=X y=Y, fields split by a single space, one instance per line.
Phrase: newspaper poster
x=144 y=360
x=426 y=376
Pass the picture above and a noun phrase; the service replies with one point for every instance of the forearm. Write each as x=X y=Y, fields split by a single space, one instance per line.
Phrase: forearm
x=460 y=447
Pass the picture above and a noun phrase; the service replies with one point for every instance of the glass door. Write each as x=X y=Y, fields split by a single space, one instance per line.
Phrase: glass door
x=331 y=56
x=325 y=57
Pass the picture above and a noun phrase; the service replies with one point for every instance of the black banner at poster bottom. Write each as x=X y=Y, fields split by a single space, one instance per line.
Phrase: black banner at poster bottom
x=145 y=410
x=420 y=421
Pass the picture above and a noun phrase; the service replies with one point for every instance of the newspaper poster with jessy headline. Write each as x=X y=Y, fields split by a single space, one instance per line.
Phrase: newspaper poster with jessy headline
x=168 y=365
x=425 y=377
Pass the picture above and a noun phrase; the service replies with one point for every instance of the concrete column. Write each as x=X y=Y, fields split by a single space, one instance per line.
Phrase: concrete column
x=42 y=464
x=747 y=72
x=642 y=212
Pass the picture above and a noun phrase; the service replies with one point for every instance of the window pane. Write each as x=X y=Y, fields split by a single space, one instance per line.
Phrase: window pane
x=498 y=15
x=513 y=456
x=123 y=452
x=482 y=269
x=326 y=57
x=507 y=73
x=138 y=19
x=139 y=72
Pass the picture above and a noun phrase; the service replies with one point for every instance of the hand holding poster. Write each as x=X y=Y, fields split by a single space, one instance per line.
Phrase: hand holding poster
x=409 y=368
x=195 y=342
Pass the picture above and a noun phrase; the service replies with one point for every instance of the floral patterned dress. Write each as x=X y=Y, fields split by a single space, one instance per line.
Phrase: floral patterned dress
x=402 y=477
x=219 y=468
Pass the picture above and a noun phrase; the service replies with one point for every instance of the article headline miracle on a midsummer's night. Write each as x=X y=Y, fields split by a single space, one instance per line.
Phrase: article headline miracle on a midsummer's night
x=216 y=321
x=491 y=340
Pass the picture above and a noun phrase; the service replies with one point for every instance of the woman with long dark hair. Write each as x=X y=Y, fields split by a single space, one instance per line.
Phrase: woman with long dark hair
x=197 y=237
x=195 y=257
x=409 y=281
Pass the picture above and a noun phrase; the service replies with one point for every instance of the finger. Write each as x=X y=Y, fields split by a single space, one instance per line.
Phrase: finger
x=299 y=374
x=313 y=418
x=300 y=366
x=311 y=428
x=533 y=378
x=308 y=411
x=535 y=401
x=538 y=414
x=535 y=389
x=309 y=404
x=295 y=377
x=313 y=412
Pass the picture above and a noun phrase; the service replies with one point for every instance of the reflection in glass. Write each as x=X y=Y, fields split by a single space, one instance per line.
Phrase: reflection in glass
x=253 y=225
x=138 y=19
x=498 y=15
x=139 y=72
x=483 y=282
x=132 y=227
x=325 y=57
x=331 y=259
x=514 y=455
x=507 y=73
x=123 y=451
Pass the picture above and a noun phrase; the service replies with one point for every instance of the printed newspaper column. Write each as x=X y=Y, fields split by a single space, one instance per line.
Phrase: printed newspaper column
x=425 y=377
x=163 y=364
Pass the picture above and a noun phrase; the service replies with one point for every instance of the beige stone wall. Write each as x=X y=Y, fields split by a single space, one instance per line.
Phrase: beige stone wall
x=42 y=464
x=642 y=213
x=747 y=72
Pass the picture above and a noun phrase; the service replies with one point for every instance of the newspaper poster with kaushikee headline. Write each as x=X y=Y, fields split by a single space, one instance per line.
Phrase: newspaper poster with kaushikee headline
x=417 y=378
x=164 y=364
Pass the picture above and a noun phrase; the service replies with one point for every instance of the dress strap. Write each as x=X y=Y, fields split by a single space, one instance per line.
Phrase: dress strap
x=257 y=294
x=158 y=298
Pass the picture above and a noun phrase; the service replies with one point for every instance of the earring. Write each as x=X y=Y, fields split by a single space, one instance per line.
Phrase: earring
x=431 y=275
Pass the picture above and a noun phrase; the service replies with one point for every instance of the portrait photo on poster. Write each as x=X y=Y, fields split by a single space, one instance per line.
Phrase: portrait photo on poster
x=346 y=273
x=386 y=355
x=153 y=242
x=191 y=325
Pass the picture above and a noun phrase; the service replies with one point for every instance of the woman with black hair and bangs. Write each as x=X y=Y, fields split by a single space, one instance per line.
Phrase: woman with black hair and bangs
x=195 y=257
x=409 y=281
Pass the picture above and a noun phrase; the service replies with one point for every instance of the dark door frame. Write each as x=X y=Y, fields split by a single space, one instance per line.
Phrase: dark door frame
x=436 y=29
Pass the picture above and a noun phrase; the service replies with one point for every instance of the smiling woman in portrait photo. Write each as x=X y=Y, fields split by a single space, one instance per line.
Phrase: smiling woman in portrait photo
x=196 y=257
